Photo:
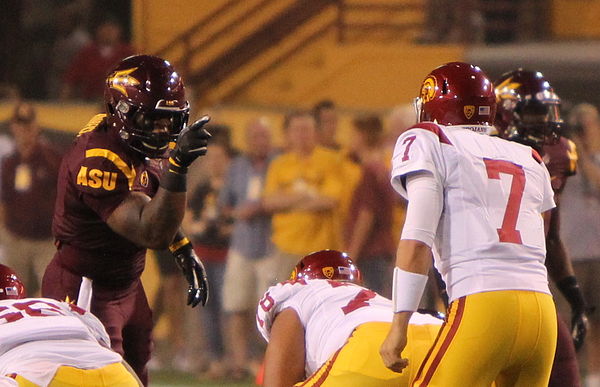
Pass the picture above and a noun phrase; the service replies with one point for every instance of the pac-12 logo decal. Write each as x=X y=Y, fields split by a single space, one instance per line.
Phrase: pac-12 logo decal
x=328 y=272
x=96 y=178
x=428 y=89
x=469 y=110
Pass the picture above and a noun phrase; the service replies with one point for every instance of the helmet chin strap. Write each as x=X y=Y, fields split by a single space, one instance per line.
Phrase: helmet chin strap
x=418 y=105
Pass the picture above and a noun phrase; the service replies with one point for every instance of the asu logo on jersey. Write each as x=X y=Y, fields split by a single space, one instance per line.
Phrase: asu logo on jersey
x=96 y=178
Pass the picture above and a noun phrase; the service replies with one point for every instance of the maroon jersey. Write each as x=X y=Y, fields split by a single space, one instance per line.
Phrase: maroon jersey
x=561 y=161
x=97 y=173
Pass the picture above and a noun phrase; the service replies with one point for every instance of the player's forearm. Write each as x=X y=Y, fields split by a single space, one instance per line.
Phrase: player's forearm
x=413 y=256
x=284 y=357
x=557 y=261
x=162 y=217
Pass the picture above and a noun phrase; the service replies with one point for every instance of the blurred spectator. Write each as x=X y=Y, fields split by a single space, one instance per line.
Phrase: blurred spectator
x=29 y=176
x=250 y=267
x=399 y=119
x=87 y=71
x=303 y=191
x=71 y=36
x=368 y=229
x=580 y=209
x=209 y=230
x=326 y=117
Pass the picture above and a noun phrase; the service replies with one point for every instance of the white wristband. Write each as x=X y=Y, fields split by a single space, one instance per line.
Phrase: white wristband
x=407 y=290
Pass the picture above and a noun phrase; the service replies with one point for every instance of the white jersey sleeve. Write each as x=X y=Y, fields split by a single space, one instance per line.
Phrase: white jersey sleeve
x=418 y=150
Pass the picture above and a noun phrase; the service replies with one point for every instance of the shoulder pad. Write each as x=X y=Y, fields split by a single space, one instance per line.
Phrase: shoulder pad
x=434 y=128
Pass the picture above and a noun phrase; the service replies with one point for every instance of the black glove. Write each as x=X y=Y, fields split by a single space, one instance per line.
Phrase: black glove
x=191 y=144
x=579 y=327
x=579 y=323
x=194 y=273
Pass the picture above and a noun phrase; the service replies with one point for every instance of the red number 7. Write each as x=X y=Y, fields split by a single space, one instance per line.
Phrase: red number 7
x=408 y=141
x=508 y=232
x=360 y=300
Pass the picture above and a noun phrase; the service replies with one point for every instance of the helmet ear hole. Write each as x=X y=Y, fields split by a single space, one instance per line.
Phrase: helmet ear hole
x=445 y=87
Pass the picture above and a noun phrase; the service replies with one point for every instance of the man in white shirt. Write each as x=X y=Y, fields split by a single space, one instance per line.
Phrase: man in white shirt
x=44 y=342
x=324 y=329
x=476 y=202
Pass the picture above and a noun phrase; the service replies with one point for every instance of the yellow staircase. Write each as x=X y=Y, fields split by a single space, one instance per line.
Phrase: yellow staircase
x=293 y=52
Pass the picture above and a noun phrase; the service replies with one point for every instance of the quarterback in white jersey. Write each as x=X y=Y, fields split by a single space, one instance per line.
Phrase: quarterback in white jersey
x=44 y=341
x=476 y=202
x=334 y=315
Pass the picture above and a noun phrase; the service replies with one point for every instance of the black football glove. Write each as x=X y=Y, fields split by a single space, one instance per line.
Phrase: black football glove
x=579 y=328
x=191 y=143
x=579 y=323
x=195 y=274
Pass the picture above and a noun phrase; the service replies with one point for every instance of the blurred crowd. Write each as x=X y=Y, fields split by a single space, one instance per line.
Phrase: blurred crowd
x=62 y=50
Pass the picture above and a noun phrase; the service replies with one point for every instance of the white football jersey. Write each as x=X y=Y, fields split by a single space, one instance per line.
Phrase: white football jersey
x=37 y=335
x=329 y=311
x=491 y=233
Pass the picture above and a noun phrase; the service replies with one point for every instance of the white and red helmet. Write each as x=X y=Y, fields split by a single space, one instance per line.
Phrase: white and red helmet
x=11 y=286
x=327 y=264
x=457 y=93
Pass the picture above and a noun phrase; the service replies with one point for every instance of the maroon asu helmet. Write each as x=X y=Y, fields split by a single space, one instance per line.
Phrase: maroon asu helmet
x=140 y=91
x=327 y=264
x=11 y=286
x=528 y=108
x=457 y=93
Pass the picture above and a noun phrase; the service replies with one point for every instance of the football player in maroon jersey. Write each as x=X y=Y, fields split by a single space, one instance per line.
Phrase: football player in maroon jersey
x=117 y=197
x=528 y=112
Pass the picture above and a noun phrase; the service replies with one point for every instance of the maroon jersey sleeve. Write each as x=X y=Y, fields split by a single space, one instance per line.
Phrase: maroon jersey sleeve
x=103 y=180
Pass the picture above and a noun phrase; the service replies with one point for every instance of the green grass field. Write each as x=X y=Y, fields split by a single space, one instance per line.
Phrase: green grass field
x=174 y=378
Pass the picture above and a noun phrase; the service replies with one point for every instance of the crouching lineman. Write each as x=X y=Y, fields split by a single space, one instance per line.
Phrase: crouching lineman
x=45 y=342
x=324 y=329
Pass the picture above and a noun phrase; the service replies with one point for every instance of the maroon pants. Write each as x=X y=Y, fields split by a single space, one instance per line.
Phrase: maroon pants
x=565 y=370
x=124 y=312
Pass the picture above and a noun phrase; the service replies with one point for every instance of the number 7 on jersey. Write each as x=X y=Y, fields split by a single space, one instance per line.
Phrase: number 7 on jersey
x=508 y=232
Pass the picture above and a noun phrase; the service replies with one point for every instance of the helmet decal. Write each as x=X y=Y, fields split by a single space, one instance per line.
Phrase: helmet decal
x=328 y=272
x=144 y=179
x=428 y=89
x=469 y=110
x=121 y=78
